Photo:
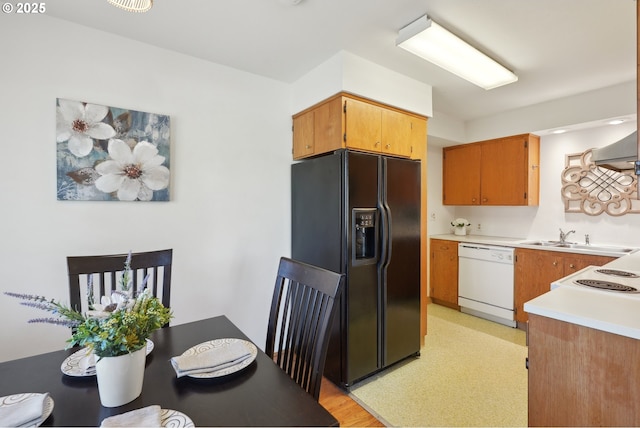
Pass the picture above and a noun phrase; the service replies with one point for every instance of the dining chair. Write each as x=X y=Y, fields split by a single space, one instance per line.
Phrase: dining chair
x=302 y=312
x=106 y=272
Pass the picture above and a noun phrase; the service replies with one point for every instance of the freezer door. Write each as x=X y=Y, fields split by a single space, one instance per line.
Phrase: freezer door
x=363 y=322
x=401 y=270
x=317 y=234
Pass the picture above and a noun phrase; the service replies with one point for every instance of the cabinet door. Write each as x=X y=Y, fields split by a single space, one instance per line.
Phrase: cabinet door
x=535 y=270
x=318 y=130
x=580 y=377
x=363 y=126
x=396 y=133
x=443 y=276
x=328 y=126
x=418 y=138
x=303 y=139
x=575 y=262
x=461 y=175
x=504 y=172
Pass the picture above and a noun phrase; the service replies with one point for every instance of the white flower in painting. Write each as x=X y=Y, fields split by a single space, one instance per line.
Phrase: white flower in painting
x=134 y=174
x=80 y=124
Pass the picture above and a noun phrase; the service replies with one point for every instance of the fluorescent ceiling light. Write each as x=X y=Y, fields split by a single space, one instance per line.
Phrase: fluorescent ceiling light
x=615 y=122
x=559 y=131
x=430 y=41
x=132 y=5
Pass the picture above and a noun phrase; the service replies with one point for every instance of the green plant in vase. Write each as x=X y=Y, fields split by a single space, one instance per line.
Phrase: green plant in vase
x=119 y=325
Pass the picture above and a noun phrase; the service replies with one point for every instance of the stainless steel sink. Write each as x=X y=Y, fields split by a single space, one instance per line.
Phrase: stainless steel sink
x=543 y=243
x=602 y=248
x=581 y=247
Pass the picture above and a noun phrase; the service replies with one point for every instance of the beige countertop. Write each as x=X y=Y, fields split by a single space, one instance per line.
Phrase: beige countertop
x=606 y=250
x=600 y=310
x=605 y=311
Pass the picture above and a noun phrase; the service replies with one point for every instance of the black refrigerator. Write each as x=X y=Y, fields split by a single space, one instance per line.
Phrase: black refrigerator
x=359 y=214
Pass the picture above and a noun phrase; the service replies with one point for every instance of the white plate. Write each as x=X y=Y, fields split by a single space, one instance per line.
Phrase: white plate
x=78 y=363
x=219 y=343
x=174 y=418
x=10 y=400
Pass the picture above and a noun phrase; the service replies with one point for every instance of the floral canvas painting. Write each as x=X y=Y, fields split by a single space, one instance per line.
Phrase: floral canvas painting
x=111 y=154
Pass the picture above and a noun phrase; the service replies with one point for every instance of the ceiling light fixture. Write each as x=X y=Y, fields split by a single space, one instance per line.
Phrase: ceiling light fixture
x=615 y=122
x=132 y=5
x=430 y=41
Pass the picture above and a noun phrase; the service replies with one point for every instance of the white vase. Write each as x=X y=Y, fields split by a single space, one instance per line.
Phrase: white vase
x=460 y=230
x=120 y=378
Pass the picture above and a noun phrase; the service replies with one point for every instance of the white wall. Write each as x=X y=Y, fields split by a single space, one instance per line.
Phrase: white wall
x=228 y=220
x=543 y=221
x=350 y=73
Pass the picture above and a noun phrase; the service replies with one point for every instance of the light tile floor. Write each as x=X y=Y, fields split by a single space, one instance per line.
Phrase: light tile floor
x=471 y=372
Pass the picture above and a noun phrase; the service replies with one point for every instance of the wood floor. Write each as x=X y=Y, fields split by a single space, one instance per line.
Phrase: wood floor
x=347 y=411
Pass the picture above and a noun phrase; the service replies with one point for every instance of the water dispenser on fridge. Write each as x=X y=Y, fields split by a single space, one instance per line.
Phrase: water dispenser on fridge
x=365 y=242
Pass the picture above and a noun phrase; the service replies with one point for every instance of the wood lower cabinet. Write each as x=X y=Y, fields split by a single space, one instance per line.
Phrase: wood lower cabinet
x=348 y=121
x=535 y=270
x=579 y=376
x=443 y=277
x=502 y=171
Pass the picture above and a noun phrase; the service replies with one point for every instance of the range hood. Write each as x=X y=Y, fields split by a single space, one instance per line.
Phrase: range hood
x=619 y=156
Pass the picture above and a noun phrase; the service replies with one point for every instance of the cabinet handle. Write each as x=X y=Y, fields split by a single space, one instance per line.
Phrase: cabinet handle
x=473 y=199
x=484 y=199
x=572 y=266
x=388 y=145
x=307 y=146
x=555 y=263
x=377 y=144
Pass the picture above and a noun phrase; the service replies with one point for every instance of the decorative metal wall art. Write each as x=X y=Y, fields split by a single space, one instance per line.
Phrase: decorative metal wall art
x=111 y=154
x=593 y=190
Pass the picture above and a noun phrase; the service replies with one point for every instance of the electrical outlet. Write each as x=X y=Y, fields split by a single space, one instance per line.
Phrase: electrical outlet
x=433 y=216
x=479 y=227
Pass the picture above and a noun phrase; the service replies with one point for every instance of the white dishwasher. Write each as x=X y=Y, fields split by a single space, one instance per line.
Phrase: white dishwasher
x=485 y=282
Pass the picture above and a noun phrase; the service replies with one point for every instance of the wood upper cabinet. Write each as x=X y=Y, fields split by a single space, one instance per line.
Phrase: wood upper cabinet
x=395 y=133
x=363 y=125
x=461 y=175
x=503 y=171
x=535 y=270
x=318 y=130
x=347 y=121
x=443 y=276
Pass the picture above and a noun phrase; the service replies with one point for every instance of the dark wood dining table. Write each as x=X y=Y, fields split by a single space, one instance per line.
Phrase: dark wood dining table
x=259 y=395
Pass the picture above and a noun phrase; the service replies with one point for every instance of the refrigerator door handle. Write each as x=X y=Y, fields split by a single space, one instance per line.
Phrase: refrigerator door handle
x=385 y=216
x=388 y=243
x=384 y=232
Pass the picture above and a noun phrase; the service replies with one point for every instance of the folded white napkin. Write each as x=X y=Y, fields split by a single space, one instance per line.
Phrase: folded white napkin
x=23 y=413
x=88 y=363
x=211 y=360
x=149 y=416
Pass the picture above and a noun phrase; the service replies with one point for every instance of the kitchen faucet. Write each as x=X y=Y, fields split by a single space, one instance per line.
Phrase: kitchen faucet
x=563 y=236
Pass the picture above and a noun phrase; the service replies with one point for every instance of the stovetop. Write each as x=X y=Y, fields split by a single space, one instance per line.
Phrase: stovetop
x=620 y=282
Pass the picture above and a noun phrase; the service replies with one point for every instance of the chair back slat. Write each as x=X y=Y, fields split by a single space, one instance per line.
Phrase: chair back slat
x=302 y=312
x=106 y=273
